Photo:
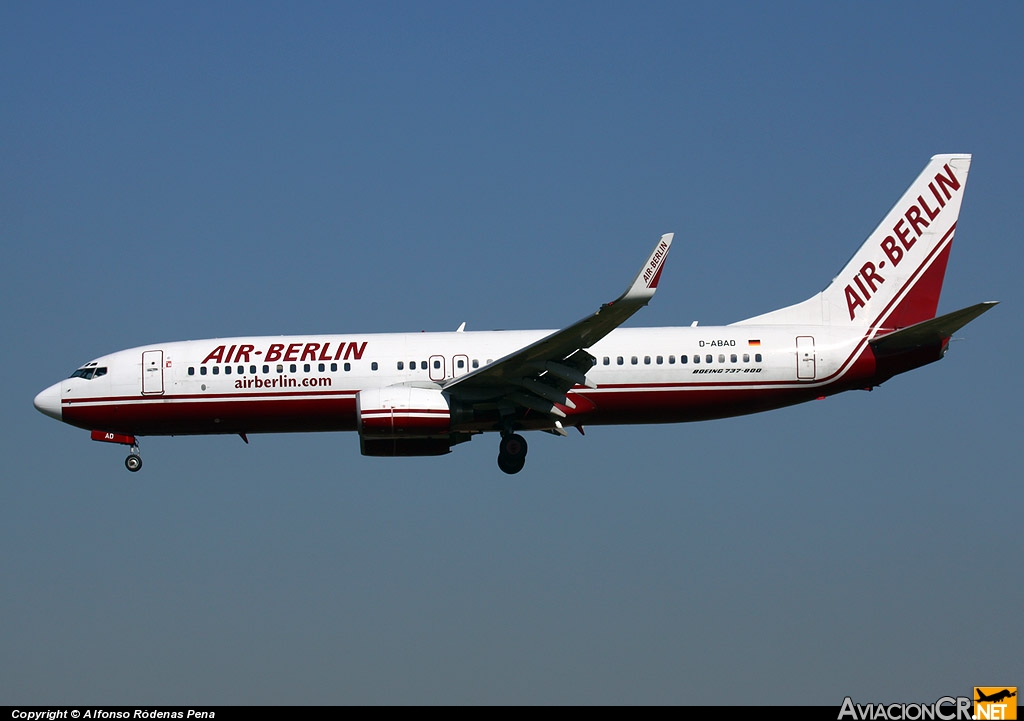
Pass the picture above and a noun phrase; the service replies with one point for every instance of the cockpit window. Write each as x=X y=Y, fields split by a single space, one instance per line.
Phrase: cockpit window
x=89 y=372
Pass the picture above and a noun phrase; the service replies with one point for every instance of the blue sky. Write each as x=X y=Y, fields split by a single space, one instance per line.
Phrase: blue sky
x=199 y=170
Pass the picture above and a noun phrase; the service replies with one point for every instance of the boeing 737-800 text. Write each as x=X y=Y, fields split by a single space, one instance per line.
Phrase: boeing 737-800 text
x=420 y=394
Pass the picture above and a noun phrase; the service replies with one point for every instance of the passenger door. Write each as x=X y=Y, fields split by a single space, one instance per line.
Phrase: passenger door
x=152 y=372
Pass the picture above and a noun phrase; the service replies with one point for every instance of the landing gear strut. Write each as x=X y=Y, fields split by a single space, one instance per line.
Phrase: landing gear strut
x=512 y=453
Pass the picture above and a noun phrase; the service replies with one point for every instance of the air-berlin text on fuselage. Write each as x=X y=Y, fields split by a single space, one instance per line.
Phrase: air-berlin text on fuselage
x=322 y=351
x=905 y=233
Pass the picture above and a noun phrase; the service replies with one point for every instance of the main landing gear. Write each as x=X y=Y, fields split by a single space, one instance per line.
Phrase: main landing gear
x=512 y=453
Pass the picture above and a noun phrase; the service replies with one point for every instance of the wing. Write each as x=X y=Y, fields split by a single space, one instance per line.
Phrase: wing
x=538 y=376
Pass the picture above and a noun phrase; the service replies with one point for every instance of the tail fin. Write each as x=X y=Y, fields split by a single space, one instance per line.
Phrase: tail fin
x=894 y=280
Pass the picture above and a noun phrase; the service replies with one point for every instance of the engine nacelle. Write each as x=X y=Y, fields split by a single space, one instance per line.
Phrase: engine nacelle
x=404 y=421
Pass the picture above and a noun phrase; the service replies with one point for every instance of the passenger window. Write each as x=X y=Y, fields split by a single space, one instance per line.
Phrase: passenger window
x=266 y=369
x=305 y=368
x=757 y=357
x=684 y=358
x=348 y=367
x=746 y=357
x=606 y=360
x=292 y=368
x=401 y=365
x=721 y=357
x=227 y=370
x=241 y=370
x=334 y=367
x=280 y=367
x=647 y=360
x=671 y=360
x=322 y=368
x=437 y=364
x=696 y=358
x=709 y=358
x=732 y=358
x=191 y=370
x=202 y=370
x=373 y=366
x=252 y=369
x=423 y=365
x=216 y=370
x=634 y=360
x=461 y=363
x=476 y=363
x=619 y=360
x=659 y=360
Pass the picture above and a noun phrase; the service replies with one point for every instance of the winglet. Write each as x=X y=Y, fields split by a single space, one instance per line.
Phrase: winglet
x=646 y=281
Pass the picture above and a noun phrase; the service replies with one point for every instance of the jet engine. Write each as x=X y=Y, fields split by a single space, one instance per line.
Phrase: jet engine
x=405 y=421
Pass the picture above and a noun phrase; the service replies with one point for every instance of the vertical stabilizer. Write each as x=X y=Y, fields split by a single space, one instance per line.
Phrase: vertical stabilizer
x=894 y=280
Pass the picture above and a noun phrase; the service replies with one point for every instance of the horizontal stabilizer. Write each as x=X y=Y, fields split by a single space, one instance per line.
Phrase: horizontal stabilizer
x=929 y=332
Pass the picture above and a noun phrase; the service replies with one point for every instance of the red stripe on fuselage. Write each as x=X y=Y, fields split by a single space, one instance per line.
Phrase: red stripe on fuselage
x=204 y=397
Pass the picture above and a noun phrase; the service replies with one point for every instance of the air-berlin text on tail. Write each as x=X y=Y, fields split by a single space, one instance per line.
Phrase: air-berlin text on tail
x=323 y=351
x=653 y=269
x=905 y=233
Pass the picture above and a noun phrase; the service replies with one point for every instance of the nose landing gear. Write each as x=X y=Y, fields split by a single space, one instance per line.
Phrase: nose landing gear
x=512 y=453
x=134 y=461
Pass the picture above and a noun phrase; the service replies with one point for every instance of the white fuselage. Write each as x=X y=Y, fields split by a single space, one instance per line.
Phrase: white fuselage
x=310 y=383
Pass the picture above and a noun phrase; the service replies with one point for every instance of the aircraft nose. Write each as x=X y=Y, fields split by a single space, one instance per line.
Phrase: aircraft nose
x=48 y=401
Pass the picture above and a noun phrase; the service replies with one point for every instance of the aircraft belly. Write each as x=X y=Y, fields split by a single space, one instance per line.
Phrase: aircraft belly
x=681 y=405
x=180 y=416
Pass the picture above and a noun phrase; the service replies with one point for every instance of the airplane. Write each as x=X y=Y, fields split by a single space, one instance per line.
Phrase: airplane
x=421 y=394
x=996 y=697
